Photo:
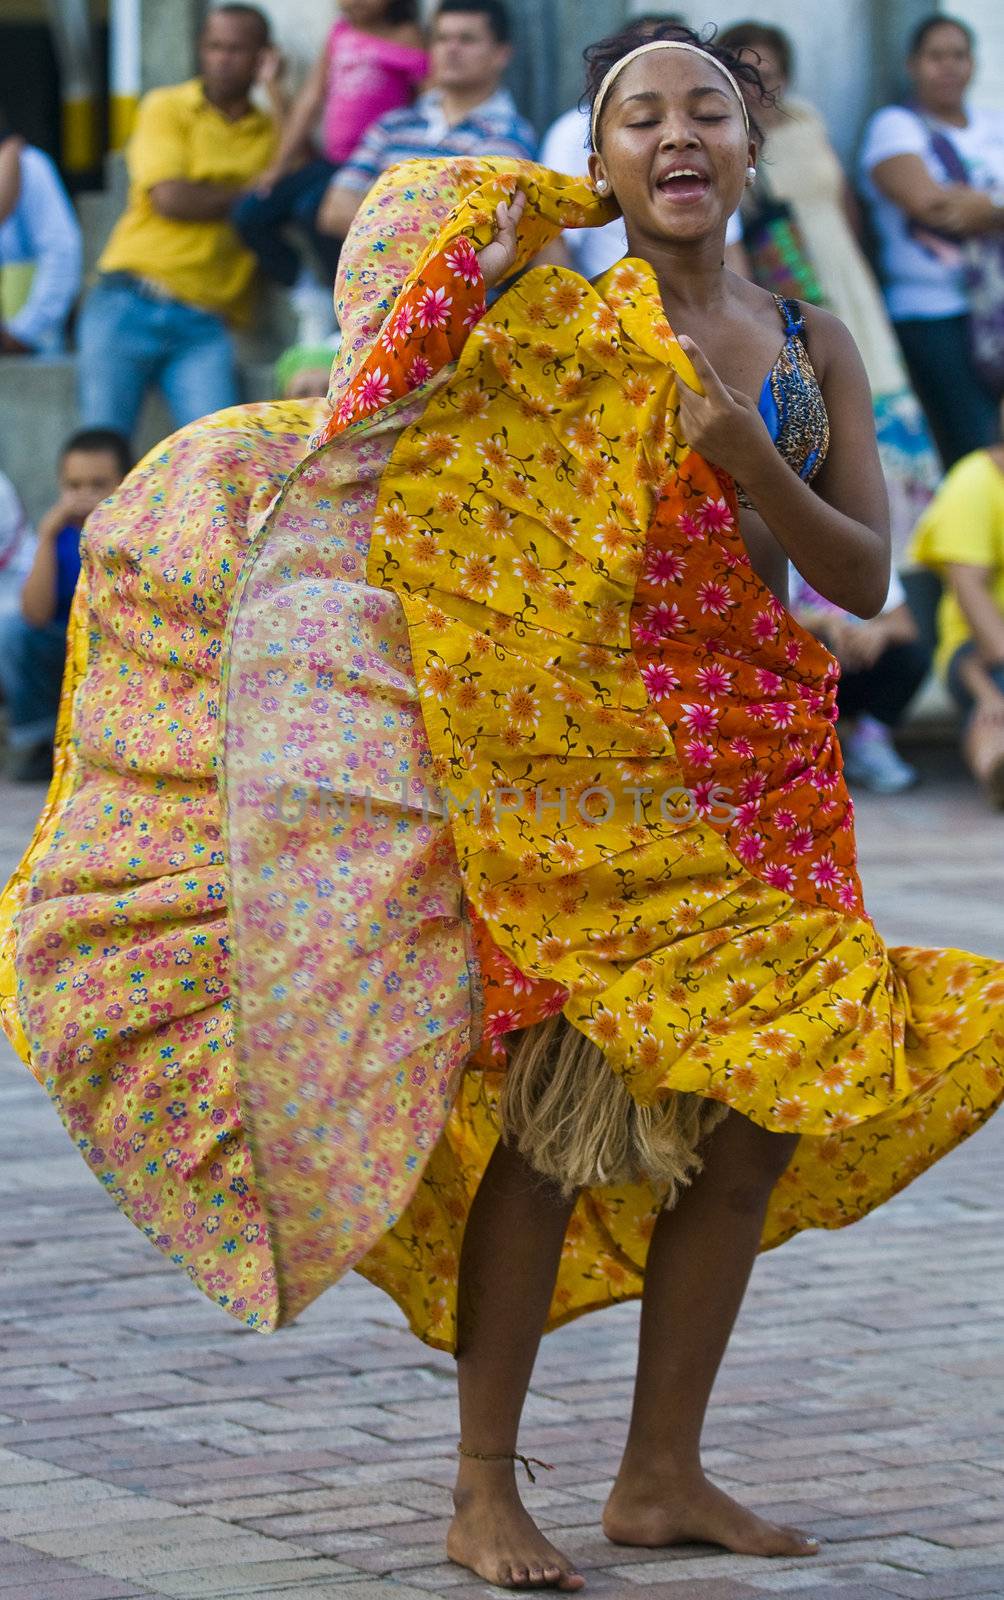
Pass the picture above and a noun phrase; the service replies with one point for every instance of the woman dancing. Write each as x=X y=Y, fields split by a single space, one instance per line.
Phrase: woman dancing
x=508 y=944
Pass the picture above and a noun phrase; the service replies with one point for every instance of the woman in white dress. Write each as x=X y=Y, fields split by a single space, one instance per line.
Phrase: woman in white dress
x=912 y=161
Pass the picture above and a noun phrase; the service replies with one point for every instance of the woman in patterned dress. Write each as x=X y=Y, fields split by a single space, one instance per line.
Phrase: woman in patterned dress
x=618 y=1018
x=666 y=115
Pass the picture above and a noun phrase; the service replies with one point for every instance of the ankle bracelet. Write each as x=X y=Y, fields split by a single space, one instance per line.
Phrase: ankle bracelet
x=528 y=1462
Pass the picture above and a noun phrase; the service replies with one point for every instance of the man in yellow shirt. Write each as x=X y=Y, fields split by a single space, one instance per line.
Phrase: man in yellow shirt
x=174 y=273
x=961 y=536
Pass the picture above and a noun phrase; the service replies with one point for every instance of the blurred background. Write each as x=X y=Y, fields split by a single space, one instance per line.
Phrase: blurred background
x=71 y=71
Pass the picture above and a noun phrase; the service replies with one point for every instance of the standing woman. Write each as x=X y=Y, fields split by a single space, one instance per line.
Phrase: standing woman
x=604 y=1014
x=801 y=168
x=922 y=216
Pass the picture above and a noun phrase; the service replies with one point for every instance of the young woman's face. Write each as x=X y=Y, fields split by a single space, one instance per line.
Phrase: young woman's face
x=942 y=68
x=673 y=147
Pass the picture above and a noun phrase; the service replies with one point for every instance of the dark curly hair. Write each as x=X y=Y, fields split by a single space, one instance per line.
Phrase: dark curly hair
x=402 y=11
x=603 y=55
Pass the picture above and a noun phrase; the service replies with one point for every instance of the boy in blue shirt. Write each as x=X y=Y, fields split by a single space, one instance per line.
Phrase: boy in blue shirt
x=33 y=639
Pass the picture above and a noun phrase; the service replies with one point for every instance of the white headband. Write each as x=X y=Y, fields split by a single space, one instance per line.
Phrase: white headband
x=646 y=49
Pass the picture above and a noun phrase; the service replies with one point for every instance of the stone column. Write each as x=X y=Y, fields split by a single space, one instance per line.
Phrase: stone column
x=169 y=30
x=892 y=25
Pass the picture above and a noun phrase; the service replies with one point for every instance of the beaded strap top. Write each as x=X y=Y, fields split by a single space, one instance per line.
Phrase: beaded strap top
x=791 y=401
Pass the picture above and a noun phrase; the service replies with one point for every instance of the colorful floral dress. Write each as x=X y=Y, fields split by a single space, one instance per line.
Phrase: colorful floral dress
x=397 y=726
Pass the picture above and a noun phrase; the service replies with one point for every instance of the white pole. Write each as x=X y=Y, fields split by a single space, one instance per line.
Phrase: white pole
x=125 y=72
x=71 y=27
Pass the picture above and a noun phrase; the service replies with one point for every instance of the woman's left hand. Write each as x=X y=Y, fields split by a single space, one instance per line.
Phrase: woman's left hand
x=722 y=425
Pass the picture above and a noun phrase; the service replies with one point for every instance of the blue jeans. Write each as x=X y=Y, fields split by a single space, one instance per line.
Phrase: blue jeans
x=961 y=410
x=31 y=675
x=130 y=340
x=295 y=199
x=959 y=691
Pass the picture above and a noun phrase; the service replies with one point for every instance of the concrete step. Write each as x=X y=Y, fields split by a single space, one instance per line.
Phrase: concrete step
x=98 y=214
x=99 y=210
x=39 y=406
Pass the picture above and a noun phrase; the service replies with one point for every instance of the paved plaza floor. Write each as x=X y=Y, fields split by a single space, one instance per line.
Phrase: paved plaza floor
x=149 y=1446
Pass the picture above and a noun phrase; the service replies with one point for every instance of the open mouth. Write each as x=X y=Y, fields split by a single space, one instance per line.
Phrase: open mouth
x=684 y=185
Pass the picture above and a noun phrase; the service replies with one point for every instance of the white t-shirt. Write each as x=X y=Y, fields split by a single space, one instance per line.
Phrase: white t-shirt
x=926 y=279
x=17 y=546
x=593 y=250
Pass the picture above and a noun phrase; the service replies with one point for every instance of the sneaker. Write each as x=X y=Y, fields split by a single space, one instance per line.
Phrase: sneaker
x=871 y=759
x=314 y=305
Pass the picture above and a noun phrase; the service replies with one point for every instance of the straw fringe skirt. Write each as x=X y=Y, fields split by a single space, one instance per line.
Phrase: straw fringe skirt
x=571 y=1116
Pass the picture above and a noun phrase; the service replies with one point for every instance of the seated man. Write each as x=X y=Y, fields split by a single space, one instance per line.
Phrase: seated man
x=41 y=250
x=961 y=536
x=466 y=112
x=33 y=638
x=883 y=663
x=174 y=273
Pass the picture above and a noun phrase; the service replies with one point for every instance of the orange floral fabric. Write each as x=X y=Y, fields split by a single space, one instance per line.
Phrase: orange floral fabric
x=749 y=696
x=425 y=332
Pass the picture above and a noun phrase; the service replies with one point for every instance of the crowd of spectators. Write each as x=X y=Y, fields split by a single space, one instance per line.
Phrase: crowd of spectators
x=231 y=184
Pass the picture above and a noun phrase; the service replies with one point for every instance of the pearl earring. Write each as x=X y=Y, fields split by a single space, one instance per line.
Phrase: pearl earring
x=750 y=177
x=602 y=186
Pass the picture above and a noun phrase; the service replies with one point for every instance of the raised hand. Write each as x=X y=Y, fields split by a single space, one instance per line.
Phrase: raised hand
x=267 y=180
x=722 y=425
x=498 y=258
x=271 y=66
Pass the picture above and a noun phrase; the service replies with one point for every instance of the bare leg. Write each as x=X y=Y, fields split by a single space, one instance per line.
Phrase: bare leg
x=983 y=745
x=508 y=1266
x=698 y=1267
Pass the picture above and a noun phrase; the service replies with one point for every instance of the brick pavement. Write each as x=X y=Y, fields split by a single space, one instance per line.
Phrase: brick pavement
x=148 y=1446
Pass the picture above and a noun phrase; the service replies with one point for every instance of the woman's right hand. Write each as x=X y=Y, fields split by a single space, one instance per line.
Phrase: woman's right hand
x=963 y=210
x=266 y=182
x=860 y=643
x=498 y=259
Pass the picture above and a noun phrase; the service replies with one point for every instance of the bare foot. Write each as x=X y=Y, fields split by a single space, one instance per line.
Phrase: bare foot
x=690 y=1510
x=494 y=1535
